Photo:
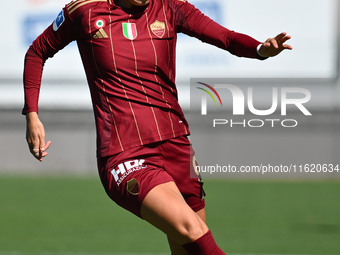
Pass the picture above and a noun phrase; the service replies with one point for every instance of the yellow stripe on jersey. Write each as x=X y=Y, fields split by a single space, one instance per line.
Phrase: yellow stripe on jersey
x=73 y=3
x=101 y=30
x=100 y=34
x=74 y=6
x=97 y=35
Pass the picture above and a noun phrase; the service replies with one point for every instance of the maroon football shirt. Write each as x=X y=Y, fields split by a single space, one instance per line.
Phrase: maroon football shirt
x=129 y=59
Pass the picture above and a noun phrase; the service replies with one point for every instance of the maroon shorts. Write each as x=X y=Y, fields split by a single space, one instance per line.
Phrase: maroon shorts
x=128 y=176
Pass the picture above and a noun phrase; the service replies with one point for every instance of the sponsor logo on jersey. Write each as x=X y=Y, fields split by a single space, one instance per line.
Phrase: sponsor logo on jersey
x=99 y=23
x=130 y=30
x=58 y=21
x=100 y=34
x=158 y=28
x=124 y=169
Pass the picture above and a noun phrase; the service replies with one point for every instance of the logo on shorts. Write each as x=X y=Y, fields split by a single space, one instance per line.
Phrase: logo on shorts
x=58 y=21
x=126 y=168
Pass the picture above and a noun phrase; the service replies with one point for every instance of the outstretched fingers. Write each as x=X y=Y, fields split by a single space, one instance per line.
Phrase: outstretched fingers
x=274 y=46
x=280 y=36
x=274 y=43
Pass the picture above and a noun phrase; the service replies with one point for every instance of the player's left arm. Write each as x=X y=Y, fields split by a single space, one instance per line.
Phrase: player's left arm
x=193 y=22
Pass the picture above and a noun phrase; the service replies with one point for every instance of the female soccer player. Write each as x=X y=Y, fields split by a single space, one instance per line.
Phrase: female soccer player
x=128 y=52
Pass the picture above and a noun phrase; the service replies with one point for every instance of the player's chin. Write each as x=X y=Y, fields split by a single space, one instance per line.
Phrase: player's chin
x=139 y=2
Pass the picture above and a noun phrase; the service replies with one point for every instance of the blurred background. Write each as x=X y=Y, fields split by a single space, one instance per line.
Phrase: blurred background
x=44 y=205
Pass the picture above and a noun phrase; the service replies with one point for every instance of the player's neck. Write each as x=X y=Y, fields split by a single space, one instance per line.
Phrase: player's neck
x=128 y=4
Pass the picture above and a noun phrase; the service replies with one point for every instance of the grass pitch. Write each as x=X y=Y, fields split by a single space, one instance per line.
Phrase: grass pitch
x=73 y=216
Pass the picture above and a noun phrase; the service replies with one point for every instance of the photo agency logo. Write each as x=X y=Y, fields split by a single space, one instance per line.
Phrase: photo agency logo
x=241 y=106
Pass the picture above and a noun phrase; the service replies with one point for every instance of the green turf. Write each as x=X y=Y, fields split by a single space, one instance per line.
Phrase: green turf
x=73 y=214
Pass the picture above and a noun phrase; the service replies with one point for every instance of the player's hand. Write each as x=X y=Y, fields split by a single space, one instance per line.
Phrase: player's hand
x=274 y=46
x=35 y=136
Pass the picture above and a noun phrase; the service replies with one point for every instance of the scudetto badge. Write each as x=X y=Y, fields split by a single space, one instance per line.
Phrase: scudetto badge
x=158 y=28
x=130 y=30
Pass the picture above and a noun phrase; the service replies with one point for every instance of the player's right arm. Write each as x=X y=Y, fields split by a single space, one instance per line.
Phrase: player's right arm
x=53 y=39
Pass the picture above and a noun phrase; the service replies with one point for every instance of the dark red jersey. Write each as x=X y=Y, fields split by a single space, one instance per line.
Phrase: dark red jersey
x=129 y=59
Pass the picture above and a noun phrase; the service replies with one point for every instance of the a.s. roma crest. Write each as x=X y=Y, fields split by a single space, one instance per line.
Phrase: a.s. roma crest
x=158 y=28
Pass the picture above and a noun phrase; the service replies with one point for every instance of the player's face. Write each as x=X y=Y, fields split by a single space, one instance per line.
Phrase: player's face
x=138 y=2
